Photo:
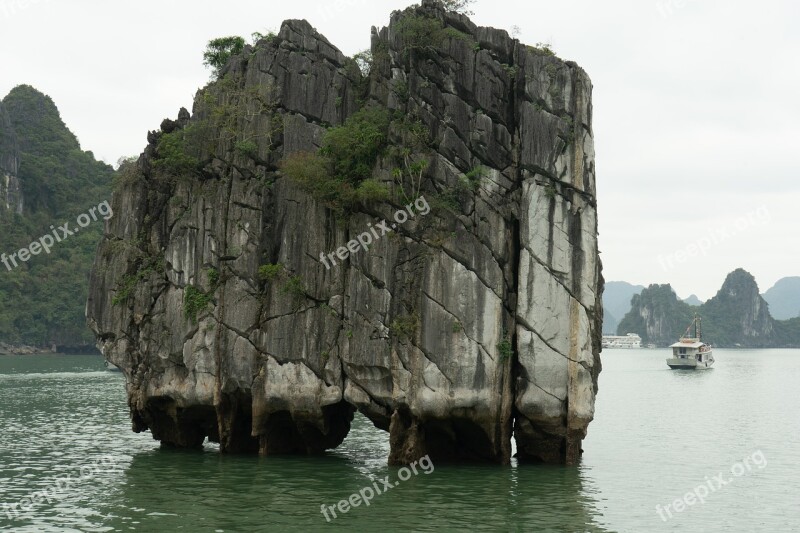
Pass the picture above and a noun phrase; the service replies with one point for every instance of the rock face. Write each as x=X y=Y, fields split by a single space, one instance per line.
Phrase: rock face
x=739 y=314
x=478 y=318
x=10 y=191
x=657 y=315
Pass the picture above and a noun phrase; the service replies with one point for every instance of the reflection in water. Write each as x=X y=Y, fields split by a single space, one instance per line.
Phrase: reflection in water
x=59 y=414
x=162 y=488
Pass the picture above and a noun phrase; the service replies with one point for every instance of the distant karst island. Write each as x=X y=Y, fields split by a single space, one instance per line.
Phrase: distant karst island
x=737 y=317
x=46 y=180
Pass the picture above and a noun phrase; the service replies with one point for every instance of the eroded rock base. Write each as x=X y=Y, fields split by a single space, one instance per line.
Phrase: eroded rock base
x=551 y=444
x=451 y=440
x=177 y=426
x=232 y=425
x=285 y=433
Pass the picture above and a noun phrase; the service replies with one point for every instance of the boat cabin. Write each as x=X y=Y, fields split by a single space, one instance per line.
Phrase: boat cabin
x=690 y=352
x=691 y=349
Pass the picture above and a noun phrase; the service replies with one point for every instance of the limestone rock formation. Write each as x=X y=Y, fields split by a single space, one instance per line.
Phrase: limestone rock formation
x=46 y=180
x=738 y=313
x=478 y=318
x=10 y=190
x=657 y=315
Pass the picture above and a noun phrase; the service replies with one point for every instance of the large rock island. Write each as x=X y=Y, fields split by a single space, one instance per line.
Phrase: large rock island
x=216 y=292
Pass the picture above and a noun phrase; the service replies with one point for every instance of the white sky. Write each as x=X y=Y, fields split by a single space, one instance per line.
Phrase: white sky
x=696 y=105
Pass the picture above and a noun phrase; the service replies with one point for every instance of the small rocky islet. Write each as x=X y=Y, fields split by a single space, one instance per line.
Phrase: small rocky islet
x=465 y=327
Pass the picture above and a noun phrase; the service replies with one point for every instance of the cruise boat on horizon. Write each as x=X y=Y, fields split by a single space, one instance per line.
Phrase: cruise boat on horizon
x=631 y=340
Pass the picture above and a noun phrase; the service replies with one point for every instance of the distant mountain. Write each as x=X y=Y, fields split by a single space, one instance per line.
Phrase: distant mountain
x=46 y=180
x=617 y=298
x=784 y=298
x=736 y=317
x=657 y=315
x=693 y=300
x=610 y=323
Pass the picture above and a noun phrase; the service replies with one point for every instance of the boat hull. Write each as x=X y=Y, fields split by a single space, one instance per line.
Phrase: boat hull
x=676 y=363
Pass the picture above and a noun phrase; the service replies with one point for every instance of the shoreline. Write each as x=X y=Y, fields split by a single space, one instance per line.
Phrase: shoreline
x=25 y=349
x=11 y=349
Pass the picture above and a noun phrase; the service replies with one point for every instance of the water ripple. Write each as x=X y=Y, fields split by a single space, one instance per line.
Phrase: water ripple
x=657 y=435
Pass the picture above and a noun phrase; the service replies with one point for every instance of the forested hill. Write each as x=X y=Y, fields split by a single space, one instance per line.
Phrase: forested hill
x=47 y=180
x=737 y=316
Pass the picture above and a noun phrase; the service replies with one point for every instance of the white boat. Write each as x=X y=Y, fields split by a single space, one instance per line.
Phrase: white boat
x=691 y=353
x=631 y=340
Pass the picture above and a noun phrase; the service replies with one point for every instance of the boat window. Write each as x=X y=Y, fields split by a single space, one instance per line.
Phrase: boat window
x=682 y=350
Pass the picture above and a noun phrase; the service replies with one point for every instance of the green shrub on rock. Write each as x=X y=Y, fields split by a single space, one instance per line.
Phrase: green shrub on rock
x=354 y=146
x=194 y=301
x=172 y=154
x=219 y=52
x=340 y=174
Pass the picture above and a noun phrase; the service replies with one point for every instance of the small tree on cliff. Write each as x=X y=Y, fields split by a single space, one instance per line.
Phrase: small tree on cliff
x=459 y=6
x=219 y=51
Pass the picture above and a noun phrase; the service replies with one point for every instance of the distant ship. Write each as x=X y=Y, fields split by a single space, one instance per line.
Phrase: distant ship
x=631 y=340
x=691 y=353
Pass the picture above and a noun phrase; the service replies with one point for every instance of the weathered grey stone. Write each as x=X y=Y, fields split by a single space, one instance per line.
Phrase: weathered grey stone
x=459 y=327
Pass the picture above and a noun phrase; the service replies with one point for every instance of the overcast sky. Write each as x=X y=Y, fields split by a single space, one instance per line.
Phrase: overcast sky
x=696 y=123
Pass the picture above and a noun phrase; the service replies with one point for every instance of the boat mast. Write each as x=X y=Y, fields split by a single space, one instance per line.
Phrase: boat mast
x=697 y=329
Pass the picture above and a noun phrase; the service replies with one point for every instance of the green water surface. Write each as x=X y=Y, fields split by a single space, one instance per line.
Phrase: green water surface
x=658 y=434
